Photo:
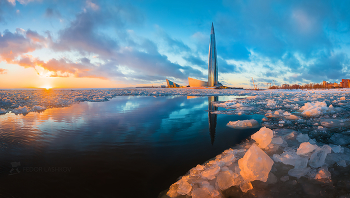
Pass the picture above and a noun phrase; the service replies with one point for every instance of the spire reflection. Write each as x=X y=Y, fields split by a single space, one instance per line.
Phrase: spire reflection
x=212 y=117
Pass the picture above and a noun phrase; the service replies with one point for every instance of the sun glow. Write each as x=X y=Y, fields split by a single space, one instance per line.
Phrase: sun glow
x=47 y=87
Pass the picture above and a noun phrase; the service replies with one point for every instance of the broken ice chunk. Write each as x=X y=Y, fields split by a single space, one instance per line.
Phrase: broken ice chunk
x=277 y=140
x=291 y=158
x=312 y=141
x=287 y=113
x=2 y=111
x=299 y=172
x=271 y=103
x=342 y=163
x=246 y=186
x=292 y=117
x=172 y=192
x=340 y=139
x=313 y=109
x=211 y=172
x=317 y=159
x=243 y=124
x=303 y=138
x=330 y=123
x=38 y=108
x=323 y=173
x=263 y=137
x=272 y=179
x=337 y=148
x=291 y=135
x=206 y=191
x=305 y=148
x=199 y=193
x=19 y=110
x=284 y=178
x=184 y=187
x=255 y=164
x=226 y=160
x=181 y=187
x=225 y=179
x=196 y=170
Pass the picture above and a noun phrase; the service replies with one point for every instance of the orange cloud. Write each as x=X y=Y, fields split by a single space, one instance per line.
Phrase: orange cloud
x=3 y=71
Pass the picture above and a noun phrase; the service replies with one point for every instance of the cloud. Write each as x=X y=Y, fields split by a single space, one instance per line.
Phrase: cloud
x=224 y=67
x=143 y=57
x=307 y=38
x=6 y=8
x=174 y=45
x=82 y=36
x=154 y=64
x=92 y=5
x=65 y=67
x=291 y=62
x=16 y=44
x=195 y=61
x=13 y=2
x=3 y=71
x=327 y=67
x=35 y=37
x=51 y=13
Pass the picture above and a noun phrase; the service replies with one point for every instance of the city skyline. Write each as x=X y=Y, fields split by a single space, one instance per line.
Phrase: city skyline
x=108 y=44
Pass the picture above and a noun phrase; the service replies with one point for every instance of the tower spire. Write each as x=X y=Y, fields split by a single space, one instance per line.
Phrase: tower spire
x=212 y=63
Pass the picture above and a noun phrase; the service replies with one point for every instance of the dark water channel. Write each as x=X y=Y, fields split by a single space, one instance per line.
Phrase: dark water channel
x=126 y=147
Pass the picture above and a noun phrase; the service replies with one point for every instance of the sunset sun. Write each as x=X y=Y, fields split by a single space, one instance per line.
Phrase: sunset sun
x=47 y=87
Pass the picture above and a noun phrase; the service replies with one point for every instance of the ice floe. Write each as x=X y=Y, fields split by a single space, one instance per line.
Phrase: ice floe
x=243 y=124
x=269 y=156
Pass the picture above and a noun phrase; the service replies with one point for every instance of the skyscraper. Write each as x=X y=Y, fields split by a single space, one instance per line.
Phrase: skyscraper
x=212 y=65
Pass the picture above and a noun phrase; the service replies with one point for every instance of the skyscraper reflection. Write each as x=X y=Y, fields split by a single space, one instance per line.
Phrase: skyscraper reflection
x=212 y=117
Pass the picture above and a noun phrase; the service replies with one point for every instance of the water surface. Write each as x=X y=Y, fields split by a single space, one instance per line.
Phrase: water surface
x=127 y=147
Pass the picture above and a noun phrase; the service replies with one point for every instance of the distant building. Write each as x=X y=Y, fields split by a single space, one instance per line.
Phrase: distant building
x=345 y=83
x=285 y=86
x=171 y=84
x=196 y=83
x=331 y=85
x=325 y=84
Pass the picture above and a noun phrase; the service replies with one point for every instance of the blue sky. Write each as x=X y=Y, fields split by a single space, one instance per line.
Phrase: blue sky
x=71 y=43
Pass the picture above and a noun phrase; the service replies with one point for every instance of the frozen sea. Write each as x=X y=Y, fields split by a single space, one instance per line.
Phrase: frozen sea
x=174 y=143
x=124 y=146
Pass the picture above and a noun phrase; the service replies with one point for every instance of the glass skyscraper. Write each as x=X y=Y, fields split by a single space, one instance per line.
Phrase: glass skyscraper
x=212 y=65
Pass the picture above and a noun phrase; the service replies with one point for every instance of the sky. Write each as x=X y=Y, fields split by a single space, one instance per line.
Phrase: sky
x=121 y=43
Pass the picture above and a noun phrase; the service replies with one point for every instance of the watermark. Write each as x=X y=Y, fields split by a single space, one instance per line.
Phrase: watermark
x=14 y=169
x=37 y=169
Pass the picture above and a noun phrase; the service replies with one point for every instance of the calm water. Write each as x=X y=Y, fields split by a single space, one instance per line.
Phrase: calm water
x=126 y=147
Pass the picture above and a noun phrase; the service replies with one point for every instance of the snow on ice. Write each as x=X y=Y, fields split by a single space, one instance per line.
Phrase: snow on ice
x=263 y=137
x=243 y=124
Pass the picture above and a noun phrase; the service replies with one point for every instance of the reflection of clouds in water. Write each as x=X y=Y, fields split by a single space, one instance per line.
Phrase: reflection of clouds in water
x=123 y=119
x=130 y=106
